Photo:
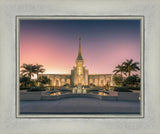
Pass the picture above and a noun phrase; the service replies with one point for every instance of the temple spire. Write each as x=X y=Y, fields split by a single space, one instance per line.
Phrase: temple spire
x=79 y=57
x=79 y=51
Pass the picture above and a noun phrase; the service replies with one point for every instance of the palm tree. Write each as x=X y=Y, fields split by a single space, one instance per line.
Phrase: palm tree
x=24 y=80
x=119 y=69
x=39 y=69
x=29 y=70
x=129 y=66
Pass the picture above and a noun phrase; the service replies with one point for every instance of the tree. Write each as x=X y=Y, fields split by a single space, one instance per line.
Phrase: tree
x=39 y=69
x=132 y=80
x=44 y=80
x=92 y=85
x=129 y=66
x=119 y=69
x=117 y=79
x=28 y=70
x=24 y=80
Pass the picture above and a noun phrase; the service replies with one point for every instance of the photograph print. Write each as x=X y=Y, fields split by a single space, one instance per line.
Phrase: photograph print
x=80 y=66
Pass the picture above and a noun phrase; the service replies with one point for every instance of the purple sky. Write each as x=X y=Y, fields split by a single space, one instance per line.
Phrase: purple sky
x=54 y=43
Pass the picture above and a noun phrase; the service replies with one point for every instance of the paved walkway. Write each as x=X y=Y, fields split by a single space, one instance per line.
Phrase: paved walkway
x=79 y=106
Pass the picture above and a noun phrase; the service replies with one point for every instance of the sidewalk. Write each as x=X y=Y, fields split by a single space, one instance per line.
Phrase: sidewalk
x=79 y=106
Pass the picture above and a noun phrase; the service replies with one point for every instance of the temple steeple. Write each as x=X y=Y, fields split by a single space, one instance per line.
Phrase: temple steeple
x=79 y=57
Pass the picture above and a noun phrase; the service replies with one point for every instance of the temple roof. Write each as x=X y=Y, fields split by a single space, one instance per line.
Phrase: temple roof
x=79 y=57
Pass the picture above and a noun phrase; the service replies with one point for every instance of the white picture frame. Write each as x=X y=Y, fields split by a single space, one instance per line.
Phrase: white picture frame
x=9 y=123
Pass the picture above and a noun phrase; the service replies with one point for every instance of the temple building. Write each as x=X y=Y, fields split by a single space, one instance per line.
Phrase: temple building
x=79 y=75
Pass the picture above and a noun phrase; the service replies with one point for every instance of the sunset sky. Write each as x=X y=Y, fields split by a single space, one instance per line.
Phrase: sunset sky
x=54 y=43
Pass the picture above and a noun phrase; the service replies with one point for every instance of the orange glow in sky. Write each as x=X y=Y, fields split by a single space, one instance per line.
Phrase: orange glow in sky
x=55 y=44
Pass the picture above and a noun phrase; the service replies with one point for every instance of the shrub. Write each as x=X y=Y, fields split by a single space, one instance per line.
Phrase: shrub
x=133 y=80
x=111 y=87
x=93 y=90
x=36 y=89
x=86 y=86
x=134 y=88
x=92 y=85
x=66 y=85
x=122 y=89
x=118 y=80
x=22 y=88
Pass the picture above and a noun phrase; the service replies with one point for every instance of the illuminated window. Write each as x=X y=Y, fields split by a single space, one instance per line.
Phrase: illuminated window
x=68 y=81
x=96 y=82
x=79 y=70
x=91 y=80
x=63 y=80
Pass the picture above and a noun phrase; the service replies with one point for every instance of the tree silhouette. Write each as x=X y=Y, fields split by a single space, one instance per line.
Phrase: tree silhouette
x=44 y=80
x=39 y=69
x=24 y=80
x=130 y=66
x=132 y=80
x=119 y=69
x=28 y=70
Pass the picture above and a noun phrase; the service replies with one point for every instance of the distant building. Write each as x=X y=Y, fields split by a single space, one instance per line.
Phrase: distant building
x=79 y=75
